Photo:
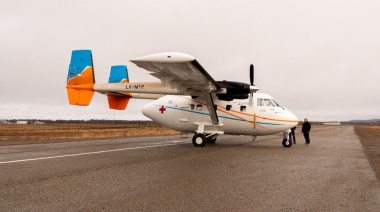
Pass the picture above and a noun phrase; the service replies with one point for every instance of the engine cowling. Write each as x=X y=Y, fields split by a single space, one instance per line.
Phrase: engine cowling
x=234 y=90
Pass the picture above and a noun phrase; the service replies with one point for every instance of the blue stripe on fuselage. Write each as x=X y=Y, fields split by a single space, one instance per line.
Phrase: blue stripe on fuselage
x=224 y=117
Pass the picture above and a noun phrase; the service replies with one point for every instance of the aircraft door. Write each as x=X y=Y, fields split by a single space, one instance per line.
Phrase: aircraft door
x=244 y=125
x=185 y=116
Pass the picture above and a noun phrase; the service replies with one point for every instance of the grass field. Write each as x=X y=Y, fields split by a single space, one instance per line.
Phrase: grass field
x=11 y=134
x=370 y=139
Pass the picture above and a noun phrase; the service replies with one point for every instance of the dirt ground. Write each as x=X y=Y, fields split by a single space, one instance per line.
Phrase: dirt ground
x=15 y=134
x=370 y=139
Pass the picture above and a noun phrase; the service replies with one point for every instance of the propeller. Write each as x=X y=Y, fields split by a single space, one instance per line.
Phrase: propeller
x=251 y=74
x=251 y=77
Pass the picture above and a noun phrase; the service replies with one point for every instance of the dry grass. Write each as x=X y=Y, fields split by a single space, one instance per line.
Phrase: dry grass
x=370 y=139
x=32 y=133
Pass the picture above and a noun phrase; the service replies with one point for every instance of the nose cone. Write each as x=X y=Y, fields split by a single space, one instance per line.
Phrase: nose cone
x=293 y=118
x=147 y=110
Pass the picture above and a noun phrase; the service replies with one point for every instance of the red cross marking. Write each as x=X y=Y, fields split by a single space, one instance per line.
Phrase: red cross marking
x=162 y=109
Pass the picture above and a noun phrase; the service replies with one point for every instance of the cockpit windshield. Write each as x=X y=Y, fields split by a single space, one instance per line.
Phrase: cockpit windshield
x=267 y=102
x=278 y=105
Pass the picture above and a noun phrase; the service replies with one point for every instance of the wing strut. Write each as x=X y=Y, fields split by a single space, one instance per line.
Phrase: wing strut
x=211 y=107
x=204 y=72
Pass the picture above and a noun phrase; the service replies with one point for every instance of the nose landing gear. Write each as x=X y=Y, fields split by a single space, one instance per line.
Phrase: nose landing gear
x=287 y=141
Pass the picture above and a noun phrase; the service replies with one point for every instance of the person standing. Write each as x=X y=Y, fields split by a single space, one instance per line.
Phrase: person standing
x=306 y=127
x=293 y=134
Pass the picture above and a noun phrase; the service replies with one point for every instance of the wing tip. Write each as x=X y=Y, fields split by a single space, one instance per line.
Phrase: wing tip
x=165 y=57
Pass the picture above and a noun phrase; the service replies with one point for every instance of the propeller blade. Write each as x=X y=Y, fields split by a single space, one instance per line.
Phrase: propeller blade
x=251 y=77
x=251 y=74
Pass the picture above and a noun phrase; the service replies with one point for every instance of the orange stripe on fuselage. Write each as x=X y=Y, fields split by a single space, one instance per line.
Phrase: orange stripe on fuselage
x=242 y=113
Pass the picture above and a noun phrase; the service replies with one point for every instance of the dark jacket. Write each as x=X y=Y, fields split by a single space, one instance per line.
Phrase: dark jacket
x=306 y=127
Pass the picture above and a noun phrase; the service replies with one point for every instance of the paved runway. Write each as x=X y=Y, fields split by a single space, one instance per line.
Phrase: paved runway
x=169 y=174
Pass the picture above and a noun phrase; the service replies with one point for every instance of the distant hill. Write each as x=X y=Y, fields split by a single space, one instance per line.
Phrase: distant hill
x=366 y=121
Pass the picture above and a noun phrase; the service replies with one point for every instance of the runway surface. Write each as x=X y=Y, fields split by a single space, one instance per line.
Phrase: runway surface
x=167 y=173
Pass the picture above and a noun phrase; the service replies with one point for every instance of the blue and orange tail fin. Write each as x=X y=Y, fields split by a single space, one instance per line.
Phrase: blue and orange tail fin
x=80 y=78
x=118 y=74
x=118 y=101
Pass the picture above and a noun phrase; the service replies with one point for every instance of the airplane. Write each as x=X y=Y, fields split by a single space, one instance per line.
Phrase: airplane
x=186 y=98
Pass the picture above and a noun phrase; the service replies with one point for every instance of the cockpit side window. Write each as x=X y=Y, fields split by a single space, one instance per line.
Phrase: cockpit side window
x=260 y=102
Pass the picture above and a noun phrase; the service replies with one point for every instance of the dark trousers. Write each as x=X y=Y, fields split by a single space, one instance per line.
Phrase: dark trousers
x=293 y=135
x=307 y=138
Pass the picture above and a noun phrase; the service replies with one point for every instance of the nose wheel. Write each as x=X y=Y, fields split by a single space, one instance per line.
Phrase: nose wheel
x=288 y=141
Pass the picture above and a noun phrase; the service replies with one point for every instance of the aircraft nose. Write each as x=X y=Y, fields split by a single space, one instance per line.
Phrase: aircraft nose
x=293 y=118
x=147 y=110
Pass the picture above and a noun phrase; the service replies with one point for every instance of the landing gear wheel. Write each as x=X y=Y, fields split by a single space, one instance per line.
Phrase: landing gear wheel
x=199 y=140
x=211 y=139
x=287 y=142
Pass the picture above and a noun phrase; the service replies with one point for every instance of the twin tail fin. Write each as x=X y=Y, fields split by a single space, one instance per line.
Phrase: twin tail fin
x=118 y=101
x=80 y=78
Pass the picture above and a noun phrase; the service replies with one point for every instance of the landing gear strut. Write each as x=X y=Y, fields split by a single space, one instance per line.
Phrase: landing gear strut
x=211 y=138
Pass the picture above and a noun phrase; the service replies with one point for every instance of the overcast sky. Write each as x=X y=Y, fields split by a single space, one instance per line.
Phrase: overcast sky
x=320 y=59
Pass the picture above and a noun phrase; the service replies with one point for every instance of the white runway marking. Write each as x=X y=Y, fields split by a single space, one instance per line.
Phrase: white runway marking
x=88 y=153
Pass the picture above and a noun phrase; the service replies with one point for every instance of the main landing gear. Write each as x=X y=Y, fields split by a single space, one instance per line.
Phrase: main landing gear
x=202 y=137
x=200 y=140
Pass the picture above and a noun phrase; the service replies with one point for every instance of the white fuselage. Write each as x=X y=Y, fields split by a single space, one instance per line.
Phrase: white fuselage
x=237 y=117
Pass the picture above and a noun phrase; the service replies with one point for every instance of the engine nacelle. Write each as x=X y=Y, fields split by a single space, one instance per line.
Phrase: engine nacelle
x=234 y=90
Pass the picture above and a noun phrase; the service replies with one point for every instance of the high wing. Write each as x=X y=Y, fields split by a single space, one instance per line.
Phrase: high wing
x=183 y=72
x=180 y=71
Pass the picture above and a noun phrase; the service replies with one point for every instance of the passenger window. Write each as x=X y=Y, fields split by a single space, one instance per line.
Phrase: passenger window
x=192 y=106
x=243 y=108
x=199 y=107
x=228 y=107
